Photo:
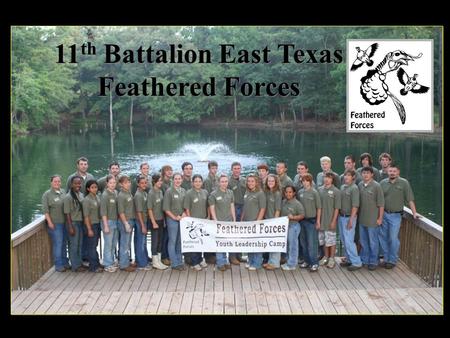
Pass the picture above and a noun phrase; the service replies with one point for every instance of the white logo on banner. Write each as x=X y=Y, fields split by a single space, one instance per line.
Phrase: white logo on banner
x=202 y=235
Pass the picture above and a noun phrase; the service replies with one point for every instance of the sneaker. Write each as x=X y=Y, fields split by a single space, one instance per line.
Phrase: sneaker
x=345 y=264
x=314 y=268
x=304 y=265
x=251 y=268
x=270 y=267
x=372 y=267
x=61 y=269
x=382 y=264
x=222 y=268
x=211 y=259
x=98 y=270
x=179 y=267
x=166 y=261
x=85 y=263
x=265 y=264
x=129 y=268
x=247 y=265
x=197 y=267
x=389 y=266
x=111 y=268
x=81 y=268
x=283 y=260
x=287 y=267
x=243 y=259
x=145 y=268
x=331 y=263
x=234 y=261
x=203 y=264
x=323 y=261
x=353 y=267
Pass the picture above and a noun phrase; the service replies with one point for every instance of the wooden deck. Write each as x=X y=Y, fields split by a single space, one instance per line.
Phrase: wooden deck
x=237 y=291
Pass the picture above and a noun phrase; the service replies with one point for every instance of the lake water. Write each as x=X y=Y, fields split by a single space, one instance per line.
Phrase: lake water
x=37 y=157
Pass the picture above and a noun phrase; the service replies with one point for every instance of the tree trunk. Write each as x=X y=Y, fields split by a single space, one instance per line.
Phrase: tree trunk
x=303 y=113
x=131 y=112
x=110 y=114
x=235 y=107
x=295 y=115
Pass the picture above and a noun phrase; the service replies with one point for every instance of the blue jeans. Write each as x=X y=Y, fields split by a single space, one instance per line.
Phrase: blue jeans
x=174 y=245
x=292 y=249
x=165 y=242
x=91 y=244
x=140 y=246
x=221 y=259
x=75 y=245
x=196 y=258
x=110 y=239
x=309 y=238
x=238 y=211
x=84 y=246
x=274 y=259
x=368 y=237
x=255 y=259
x=125 y=243
x=59 y=246
x=348 y=238
x=389 y=236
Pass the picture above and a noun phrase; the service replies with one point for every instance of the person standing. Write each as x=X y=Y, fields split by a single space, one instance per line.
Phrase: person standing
x=140 y=225
x=212 y=181
x=236 y=183
x=310 y=199
x=221 y=206
x=156 y=219
x=74 y=222
x=325 y=164
x=53 y=209
x=371 y=210
x=196 y=205
x=347 y=220
x=144 y=170
x=282 y=169
x=254 y=210
x=385 y=161
x=397 y=193
x=167 y=174
x=91 y=212
x=302 y=170
x=263 y=172
x=82 y=167
x=187 y=169
x=366 y=160
x=349 y=164
x=108 y=212
x=295 y=212
x=114 y=170
x=273 y=210
x=330 y=197
x=173 y=207
x=126 y=222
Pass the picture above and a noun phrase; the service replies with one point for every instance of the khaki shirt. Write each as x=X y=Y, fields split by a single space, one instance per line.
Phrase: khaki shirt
x=197 y=203
x=210 y=183
x=358 y=178
x=166 y=185
x=155 y=202
x=83 y=182
x=222 y=204
x=336 y=179
x=125 y=205
x=349 y=198
x=140 y=203
x=254 y=201
x=108 y=205
x=72 y=208
x=53 y=204
x=331 y=200
x=102 y=184
x=186 y=184
x=91 y=208
x=310 y=200
x=383 y=175
x=376 y=173
x=298 y=183
x=237 y=186
x=285 y=180
x=396 y=194
x=174 y=200
x=370 y=199
x=293 y=207
x=273 y=200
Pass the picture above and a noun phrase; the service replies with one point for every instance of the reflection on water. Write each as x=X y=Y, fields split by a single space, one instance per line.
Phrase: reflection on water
x=37 y=157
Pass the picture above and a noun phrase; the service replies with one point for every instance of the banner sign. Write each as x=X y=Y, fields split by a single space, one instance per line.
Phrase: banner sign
x=203 y=235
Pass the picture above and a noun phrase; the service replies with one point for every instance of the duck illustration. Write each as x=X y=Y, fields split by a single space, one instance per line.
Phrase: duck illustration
x=410 y=83
x=374 y=89
x=363 y=56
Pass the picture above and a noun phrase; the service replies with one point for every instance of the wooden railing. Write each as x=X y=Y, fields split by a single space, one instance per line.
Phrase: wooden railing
x=421 y=247
x=31 y=254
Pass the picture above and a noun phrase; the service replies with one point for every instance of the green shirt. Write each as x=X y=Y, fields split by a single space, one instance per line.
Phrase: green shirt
x=370 y=199
x=358 y=178
x=293 y=207
x=222 y=201
x=102 y=184
x=197 y=203
x=336 y=179
x=396 y=194
x=125 y=204
x=154 y=202
x=237 y=186
x=108 y=205
x=383 y=175
x=254 y=201
x=140 y=203
x=166 y=185
x=310 y=200
x=210 y=183
x=186 y=184
x=70 y=207
x=349 y=198
x=331 y=200
x=273 y=199
x=53 y=204
x=173 y=200
x=83 y=182
x=91 y=208
x=376 y=173
x=285 y=180
x=134 y=184
x=298 y=183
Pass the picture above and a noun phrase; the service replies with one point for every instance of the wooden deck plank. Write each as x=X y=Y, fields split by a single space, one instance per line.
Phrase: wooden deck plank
x=400 y=302
x=39 y=285
x=90 y=302
x=79 y=302
x=411 y=301
x=200 y=279
x=15 y=294
x=228 y=279
x=435 y=295
x=428 y=308
x=283 y=303
x=261 y=302
x=306 y=275
x=54 y=308
x=164 y=281
x=98 y=283
x=263 y=280
x=250 y=302
x=155 y=301
x=326 y=302
x=292 y=284
x=368 y=302
x=391 y=303
x=57 y=281
x=84 y=280
x=141 y=308
x=272 y=301
x=208 y=302
x=318 y=283
x=327 y=278
x=164 y=305
x=209 y=278
x=218 y=305
x=379 y=302
x=218 y=279
x=74 y=279
x=129 y=279
x=254 y=280
x=42 y=296
x=294 y=303
x=22 y=297
x=228 y=302
x=236 y=278
x=336 y=302
x=117 y=280
x=65 y=307
x=133 y=302
x=315 y=301
x=245 y=278
x=138 y=280
x=182 y=280
x=197 y=302
x=51 y=298
x=273 y=281
x=111 y=303
x=186 y=303
x=191 y=280
x=437 y=306
x=410 y=275
x=347 y=301
x=349 y=278
x=153 y=285
x=359 y=304
x=239 y=301
x=101 y=302
x=175 y=303
x=304 y=302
